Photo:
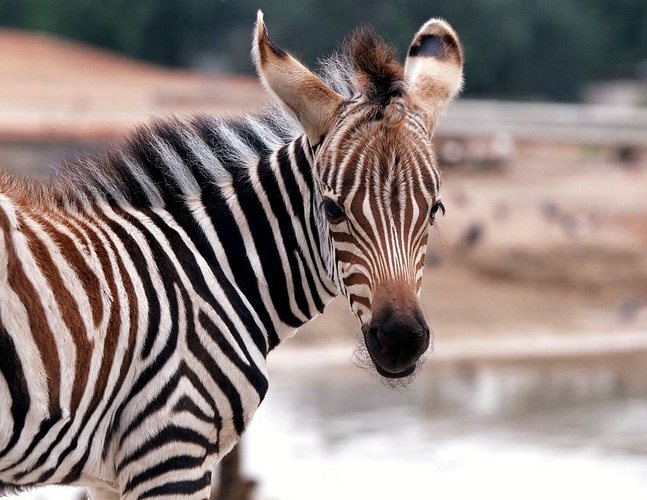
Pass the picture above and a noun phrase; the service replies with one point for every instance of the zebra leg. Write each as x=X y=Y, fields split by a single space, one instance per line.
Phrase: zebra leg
x=103 y=494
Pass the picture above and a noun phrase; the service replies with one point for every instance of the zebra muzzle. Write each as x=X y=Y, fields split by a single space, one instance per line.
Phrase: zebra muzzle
x=396 y=339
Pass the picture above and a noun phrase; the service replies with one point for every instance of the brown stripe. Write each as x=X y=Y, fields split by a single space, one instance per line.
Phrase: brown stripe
x=342 y=237
x=360 y=300
x=419 y=242
x=370 y=240
x=69 y=313
x=381 y=237
x=354 y=165
x=355 y=236
x=349 y=257
x=409 y=198
x=36 y=317
x=357 y=279
x=85 y=274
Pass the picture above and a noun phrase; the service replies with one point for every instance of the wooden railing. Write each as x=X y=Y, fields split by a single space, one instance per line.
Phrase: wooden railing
x=596 y=125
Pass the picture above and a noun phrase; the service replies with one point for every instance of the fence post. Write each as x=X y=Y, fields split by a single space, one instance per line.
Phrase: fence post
x=232 y=484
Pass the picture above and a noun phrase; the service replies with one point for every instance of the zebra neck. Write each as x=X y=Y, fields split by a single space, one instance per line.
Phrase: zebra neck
x=282 y=261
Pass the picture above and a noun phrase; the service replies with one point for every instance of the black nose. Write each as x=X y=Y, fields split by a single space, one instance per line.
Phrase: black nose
x=395 y=342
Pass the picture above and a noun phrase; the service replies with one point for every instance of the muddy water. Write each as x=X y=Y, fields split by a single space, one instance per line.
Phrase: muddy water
x=343 y=435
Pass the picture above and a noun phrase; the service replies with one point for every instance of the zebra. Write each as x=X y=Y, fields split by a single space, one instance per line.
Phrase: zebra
x=142 y=290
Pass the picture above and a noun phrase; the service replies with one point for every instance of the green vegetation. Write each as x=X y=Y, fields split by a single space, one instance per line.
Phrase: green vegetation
x=514 y=48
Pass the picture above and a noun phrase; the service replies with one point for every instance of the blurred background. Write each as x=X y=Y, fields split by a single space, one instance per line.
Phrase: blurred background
x=536 y=286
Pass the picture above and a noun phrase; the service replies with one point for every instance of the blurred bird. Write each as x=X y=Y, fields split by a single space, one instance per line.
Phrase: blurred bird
x=549 y=210
x=473 y=235
x=629 y=307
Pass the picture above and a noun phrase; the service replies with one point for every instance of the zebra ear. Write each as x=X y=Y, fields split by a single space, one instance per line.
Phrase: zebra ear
x=434 y=68
x=304 y=95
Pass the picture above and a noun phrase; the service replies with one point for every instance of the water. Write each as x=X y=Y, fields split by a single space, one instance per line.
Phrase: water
x=333 y=432
x=346 y=436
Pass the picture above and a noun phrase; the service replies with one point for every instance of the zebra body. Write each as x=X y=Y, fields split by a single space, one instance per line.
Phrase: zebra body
x=141 y=292
x=202 y=342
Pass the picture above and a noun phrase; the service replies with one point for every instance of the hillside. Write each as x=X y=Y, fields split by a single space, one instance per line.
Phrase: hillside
x=54 y=89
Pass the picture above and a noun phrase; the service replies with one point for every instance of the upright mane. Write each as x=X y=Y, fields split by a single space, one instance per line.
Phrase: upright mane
x=158 y=162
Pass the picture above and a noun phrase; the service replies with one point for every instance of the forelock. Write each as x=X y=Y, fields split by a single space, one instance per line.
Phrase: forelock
x=366 y=65
x=379 y=74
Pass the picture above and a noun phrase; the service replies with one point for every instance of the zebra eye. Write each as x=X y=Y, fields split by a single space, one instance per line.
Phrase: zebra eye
x=333 y=212
x=434 y=209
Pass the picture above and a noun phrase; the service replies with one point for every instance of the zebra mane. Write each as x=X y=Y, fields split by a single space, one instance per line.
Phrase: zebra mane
x=158 y=161
x=174 y=152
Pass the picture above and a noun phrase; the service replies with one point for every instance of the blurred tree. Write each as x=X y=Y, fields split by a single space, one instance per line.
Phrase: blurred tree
x=514 y=48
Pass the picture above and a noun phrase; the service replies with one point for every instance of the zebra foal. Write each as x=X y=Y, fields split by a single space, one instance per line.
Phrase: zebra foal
x=141 y=291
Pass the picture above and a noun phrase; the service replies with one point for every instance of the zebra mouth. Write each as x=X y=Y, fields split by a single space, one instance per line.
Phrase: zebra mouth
x=387 y=374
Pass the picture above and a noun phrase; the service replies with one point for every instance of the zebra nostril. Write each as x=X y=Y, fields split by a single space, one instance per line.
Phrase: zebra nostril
x=383 y=338
x=374 y=333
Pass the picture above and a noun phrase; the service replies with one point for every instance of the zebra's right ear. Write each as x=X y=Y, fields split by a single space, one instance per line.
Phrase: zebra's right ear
x=310 y=100
x=434 y=68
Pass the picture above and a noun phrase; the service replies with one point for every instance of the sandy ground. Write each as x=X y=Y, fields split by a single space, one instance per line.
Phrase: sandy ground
x=53 y=89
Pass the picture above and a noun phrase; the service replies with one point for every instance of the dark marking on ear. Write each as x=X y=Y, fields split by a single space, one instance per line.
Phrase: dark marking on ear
x=276 y=50
x=266 y=41
x=437 y=46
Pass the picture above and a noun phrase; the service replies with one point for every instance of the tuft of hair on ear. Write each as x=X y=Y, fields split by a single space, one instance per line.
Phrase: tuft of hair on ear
x=379 y=74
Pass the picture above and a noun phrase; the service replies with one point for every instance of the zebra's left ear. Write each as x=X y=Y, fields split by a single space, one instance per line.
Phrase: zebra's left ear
x=310 y=100
x=434 y=68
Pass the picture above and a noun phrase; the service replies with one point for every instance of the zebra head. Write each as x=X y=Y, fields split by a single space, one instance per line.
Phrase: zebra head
x=369 y=122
